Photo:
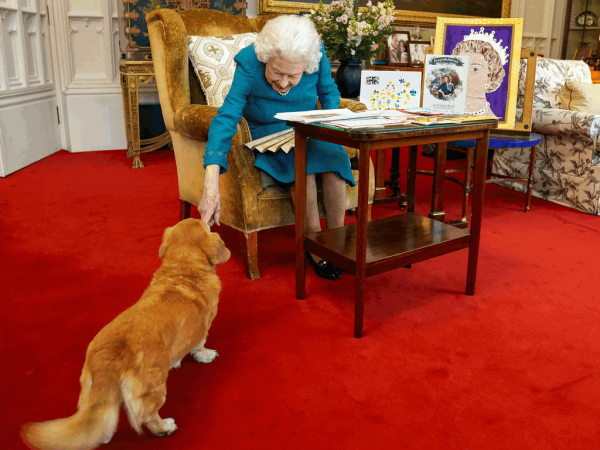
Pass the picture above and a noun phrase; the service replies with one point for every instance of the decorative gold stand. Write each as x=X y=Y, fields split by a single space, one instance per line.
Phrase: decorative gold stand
x=133 y=74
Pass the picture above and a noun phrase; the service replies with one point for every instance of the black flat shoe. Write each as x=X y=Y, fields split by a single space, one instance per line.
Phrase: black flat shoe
x=324 y=269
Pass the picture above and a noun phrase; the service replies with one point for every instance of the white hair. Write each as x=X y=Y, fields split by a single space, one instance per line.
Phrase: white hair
x=293 y=37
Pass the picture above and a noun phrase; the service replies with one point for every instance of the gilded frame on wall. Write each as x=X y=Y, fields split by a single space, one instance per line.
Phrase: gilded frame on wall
x=501 y=63
x=403 y=16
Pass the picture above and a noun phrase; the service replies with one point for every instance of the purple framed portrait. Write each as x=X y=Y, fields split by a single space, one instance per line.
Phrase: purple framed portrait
x=494 y=50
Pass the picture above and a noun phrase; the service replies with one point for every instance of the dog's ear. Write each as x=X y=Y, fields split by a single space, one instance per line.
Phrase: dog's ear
x=215 y=250
x=166 y=241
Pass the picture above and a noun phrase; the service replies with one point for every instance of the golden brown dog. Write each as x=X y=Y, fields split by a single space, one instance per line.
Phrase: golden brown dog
x=128 y=361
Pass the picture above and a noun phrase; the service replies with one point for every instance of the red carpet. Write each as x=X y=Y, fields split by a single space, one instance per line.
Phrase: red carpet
x=513 y=367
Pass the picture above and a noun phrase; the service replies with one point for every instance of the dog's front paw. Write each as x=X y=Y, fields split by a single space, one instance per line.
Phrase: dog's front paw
x=171 y=424
x=205 y=355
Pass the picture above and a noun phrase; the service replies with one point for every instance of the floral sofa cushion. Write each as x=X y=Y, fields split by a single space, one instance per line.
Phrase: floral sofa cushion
x=551 y=75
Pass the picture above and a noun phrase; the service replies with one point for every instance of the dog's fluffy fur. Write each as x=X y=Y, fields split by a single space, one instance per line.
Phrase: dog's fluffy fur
x=128 y=361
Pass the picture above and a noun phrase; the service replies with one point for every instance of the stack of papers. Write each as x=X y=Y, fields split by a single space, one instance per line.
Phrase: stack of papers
x=284 y=140
x=326 y=115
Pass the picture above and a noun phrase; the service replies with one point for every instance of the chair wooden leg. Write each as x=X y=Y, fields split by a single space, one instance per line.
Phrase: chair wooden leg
x=249 y=244
x=185 y=210
x=530 y=180
x=369 y=209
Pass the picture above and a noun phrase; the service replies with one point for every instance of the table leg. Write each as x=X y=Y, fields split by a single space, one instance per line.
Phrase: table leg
x=134 y=114
x=481 y=153
x=361 y=238
x=300 y=210
x=530 y=180
x=127 y=113
x=439 y=175
x=411 y=185
x=380 y=174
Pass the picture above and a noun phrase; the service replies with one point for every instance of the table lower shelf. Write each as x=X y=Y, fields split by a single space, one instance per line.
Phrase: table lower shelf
x=392 y=242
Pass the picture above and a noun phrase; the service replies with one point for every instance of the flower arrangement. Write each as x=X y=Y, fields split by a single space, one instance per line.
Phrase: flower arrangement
x=349 y=34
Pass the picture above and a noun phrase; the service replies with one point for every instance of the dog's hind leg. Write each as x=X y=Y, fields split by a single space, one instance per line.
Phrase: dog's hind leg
x=152 y=401
x=202 y=354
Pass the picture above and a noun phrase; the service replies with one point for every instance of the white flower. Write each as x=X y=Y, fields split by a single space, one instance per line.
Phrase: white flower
x=374 y=47
x=352 y=52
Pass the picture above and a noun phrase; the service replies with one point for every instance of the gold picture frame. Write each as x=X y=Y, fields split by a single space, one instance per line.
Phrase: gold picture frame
x=420 y=18
x=506 y=36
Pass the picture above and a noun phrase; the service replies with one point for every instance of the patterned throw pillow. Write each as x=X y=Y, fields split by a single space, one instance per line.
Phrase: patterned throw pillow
x=582 y=97
x=212 y=58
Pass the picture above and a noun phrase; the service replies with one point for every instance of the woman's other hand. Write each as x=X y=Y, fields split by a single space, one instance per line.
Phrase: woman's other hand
x=210 y=204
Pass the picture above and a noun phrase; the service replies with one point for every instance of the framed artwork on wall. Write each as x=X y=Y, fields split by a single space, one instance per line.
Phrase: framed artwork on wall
x=416 y=51
x=494 y=50
x=397 y=49
x=406 y=11
x=134 y=31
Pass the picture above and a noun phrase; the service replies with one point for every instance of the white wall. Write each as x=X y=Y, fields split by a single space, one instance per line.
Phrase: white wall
x=543 y=22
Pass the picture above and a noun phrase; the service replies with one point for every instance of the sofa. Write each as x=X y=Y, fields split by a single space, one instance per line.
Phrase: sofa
x=567 y=162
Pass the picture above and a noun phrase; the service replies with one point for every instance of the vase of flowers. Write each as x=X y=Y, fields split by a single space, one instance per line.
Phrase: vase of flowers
x=351 y=36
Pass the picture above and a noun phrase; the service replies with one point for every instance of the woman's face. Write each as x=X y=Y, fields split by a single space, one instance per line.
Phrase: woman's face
x=282 y=73
x=402 y=46
x=478 y=73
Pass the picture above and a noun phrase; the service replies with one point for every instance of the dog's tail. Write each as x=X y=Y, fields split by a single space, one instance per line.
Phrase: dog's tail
x=93 y=424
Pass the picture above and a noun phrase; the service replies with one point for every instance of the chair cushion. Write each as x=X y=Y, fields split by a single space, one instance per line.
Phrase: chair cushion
x=582 y=97
x=550 y=77
x=212 y=59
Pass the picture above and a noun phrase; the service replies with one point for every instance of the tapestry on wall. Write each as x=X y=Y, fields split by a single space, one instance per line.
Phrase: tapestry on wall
x=494 y=50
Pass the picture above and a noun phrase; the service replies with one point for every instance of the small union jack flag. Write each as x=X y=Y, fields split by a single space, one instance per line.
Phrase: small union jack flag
x=372 y=80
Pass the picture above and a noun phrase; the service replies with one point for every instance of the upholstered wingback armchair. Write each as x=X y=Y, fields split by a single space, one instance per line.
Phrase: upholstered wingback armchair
x=246 y=205
x=567 y=164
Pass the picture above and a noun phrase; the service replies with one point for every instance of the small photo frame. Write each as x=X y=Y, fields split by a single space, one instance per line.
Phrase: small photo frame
x=417 y=51
x=581 y=54
x=397 y=49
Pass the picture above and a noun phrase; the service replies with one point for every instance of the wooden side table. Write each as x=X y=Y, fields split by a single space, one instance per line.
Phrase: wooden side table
x=371 y=248
x=133 y=74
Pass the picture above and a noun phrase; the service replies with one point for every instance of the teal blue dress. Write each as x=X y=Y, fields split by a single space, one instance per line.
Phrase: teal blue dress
x=253 y=98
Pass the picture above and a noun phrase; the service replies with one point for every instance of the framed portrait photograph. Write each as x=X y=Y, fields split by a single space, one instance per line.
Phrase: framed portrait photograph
x=416 y=51
x=494 y=50
x=581 y=54
x=397 y=49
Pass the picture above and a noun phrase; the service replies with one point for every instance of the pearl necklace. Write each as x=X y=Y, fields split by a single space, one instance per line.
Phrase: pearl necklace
x=481 y=111
x=288 y=90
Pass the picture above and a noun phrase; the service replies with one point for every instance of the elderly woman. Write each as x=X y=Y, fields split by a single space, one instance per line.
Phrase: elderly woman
x=285 y=70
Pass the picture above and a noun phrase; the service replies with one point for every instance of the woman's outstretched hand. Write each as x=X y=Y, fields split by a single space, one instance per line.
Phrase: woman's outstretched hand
x=210 y=204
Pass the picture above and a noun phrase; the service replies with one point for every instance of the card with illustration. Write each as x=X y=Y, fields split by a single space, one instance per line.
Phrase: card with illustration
x=380 y=89
x=445 y=84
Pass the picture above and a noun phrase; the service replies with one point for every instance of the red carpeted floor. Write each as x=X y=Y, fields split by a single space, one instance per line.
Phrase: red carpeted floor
x=514 y=367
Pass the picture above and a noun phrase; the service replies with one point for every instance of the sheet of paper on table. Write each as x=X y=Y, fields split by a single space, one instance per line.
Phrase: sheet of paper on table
x=381 y=122
x=325 y=115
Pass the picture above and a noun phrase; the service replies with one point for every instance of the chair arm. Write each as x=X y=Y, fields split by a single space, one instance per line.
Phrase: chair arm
x=570 y=124
x=168 y=42
x=193 y=121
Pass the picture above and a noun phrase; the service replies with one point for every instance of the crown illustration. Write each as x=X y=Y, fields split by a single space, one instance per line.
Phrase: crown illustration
x=489 y=38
